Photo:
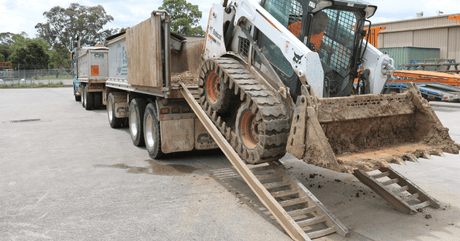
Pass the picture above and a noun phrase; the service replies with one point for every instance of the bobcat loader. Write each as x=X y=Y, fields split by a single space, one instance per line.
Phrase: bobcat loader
x=279 y=76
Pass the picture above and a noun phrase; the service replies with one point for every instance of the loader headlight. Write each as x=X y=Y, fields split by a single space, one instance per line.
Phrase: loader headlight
x=370 y=10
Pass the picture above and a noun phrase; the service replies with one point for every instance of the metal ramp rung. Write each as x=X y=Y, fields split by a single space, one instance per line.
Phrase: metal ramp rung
x=299 y=212
x=380 y=175
x=289 y=196
x=395 y=196
x=312 y=221
x=276 y=184
x=284 y=193
x=320 y=233
x=268 y=176
x=293 y=202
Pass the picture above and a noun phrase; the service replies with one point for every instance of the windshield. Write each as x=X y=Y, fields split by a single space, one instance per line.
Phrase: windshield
x=331 y=33
x=333 y=37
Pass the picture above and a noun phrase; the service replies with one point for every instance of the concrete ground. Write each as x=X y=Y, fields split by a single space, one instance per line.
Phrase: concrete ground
x=66 y=175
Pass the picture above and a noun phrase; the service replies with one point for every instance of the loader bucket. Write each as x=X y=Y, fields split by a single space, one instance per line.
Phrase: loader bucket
x=366 y=132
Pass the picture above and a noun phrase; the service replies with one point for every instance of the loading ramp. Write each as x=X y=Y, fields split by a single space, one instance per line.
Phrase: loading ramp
x=295 y=208
x=407 y=197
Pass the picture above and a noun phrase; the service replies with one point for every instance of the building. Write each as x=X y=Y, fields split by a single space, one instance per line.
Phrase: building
x=441 y=32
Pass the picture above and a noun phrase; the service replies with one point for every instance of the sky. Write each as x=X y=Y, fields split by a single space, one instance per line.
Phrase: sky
x=21 y=15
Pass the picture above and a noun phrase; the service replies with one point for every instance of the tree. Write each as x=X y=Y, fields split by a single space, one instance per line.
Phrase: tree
x=29 y=53
x=64 y=25
x=59 y=57
x=185 y=17
x=6 y=40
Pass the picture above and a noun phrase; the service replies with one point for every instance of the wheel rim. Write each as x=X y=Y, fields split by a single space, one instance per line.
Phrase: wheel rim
x=213 y=87
x=149 y=131
x=133 y=122
x=109 y=109
x=249 y=130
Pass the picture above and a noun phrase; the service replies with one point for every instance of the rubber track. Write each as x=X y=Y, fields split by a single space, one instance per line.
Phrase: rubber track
x=272 y=114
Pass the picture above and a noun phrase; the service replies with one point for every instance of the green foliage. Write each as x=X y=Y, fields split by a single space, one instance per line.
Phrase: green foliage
x=185 y=17
x=64 y=25
x=122 y=30
x=2 y=58
x=6 y=40
x=60 y=57
x=29 y=53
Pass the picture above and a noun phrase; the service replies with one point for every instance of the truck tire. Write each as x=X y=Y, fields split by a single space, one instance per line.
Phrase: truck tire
x=77 y=97
x=89 y=99
x=136 y=121
x=217 y=93
x=83 y=93
x=113 y=121
x=152 y=132
x=97 y=100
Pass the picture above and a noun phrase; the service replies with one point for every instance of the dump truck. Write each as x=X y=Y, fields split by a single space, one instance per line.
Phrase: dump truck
x=270 y=78
x=91 y=71
x=143 y=87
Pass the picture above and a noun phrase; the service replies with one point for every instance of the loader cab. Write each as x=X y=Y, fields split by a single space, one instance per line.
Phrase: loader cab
x=333 y=29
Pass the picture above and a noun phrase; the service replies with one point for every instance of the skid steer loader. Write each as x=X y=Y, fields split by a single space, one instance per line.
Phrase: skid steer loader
x=279 y=76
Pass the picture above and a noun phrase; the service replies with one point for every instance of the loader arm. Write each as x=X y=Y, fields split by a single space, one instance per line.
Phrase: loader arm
x=304 y=62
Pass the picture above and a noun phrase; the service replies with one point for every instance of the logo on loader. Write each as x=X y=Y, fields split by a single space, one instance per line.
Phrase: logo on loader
x=297 y=58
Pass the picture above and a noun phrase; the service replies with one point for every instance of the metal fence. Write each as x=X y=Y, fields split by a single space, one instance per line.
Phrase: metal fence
x=35 y=74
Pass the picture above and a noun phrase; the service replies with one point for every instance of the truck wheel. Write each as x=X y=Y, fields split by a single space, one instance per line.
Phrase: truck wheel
x=83 y=94
x=136 y=117
x=77 y=97
x=113 y=121
x=218 y=94
x=152 y=132
x=89 y=99
x=97 y=100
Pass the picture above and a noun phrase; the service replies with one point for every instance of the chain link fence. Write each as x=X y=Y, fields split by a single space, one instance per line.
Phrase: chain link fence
x=36 y=76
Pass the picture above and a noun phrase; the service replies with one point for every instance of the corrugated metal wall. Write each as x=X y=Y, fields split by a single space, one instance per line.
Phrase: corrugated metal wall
x=433 y=32
x=454 y=43
x=404 y=55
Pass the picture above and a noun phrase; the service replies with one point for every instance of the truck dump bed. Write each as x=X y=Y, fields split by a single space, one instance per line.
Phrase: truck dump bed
x=93 y=64
x=140 y=63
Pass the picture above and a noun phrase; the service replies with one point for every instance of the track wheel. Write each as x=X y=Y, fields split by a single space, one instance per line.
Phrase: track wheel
x=152 y=132
x=89 y=99
x=113 y=121
x=217 y=93
x=77 y=97
x=136 y=121
x=248 y=132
